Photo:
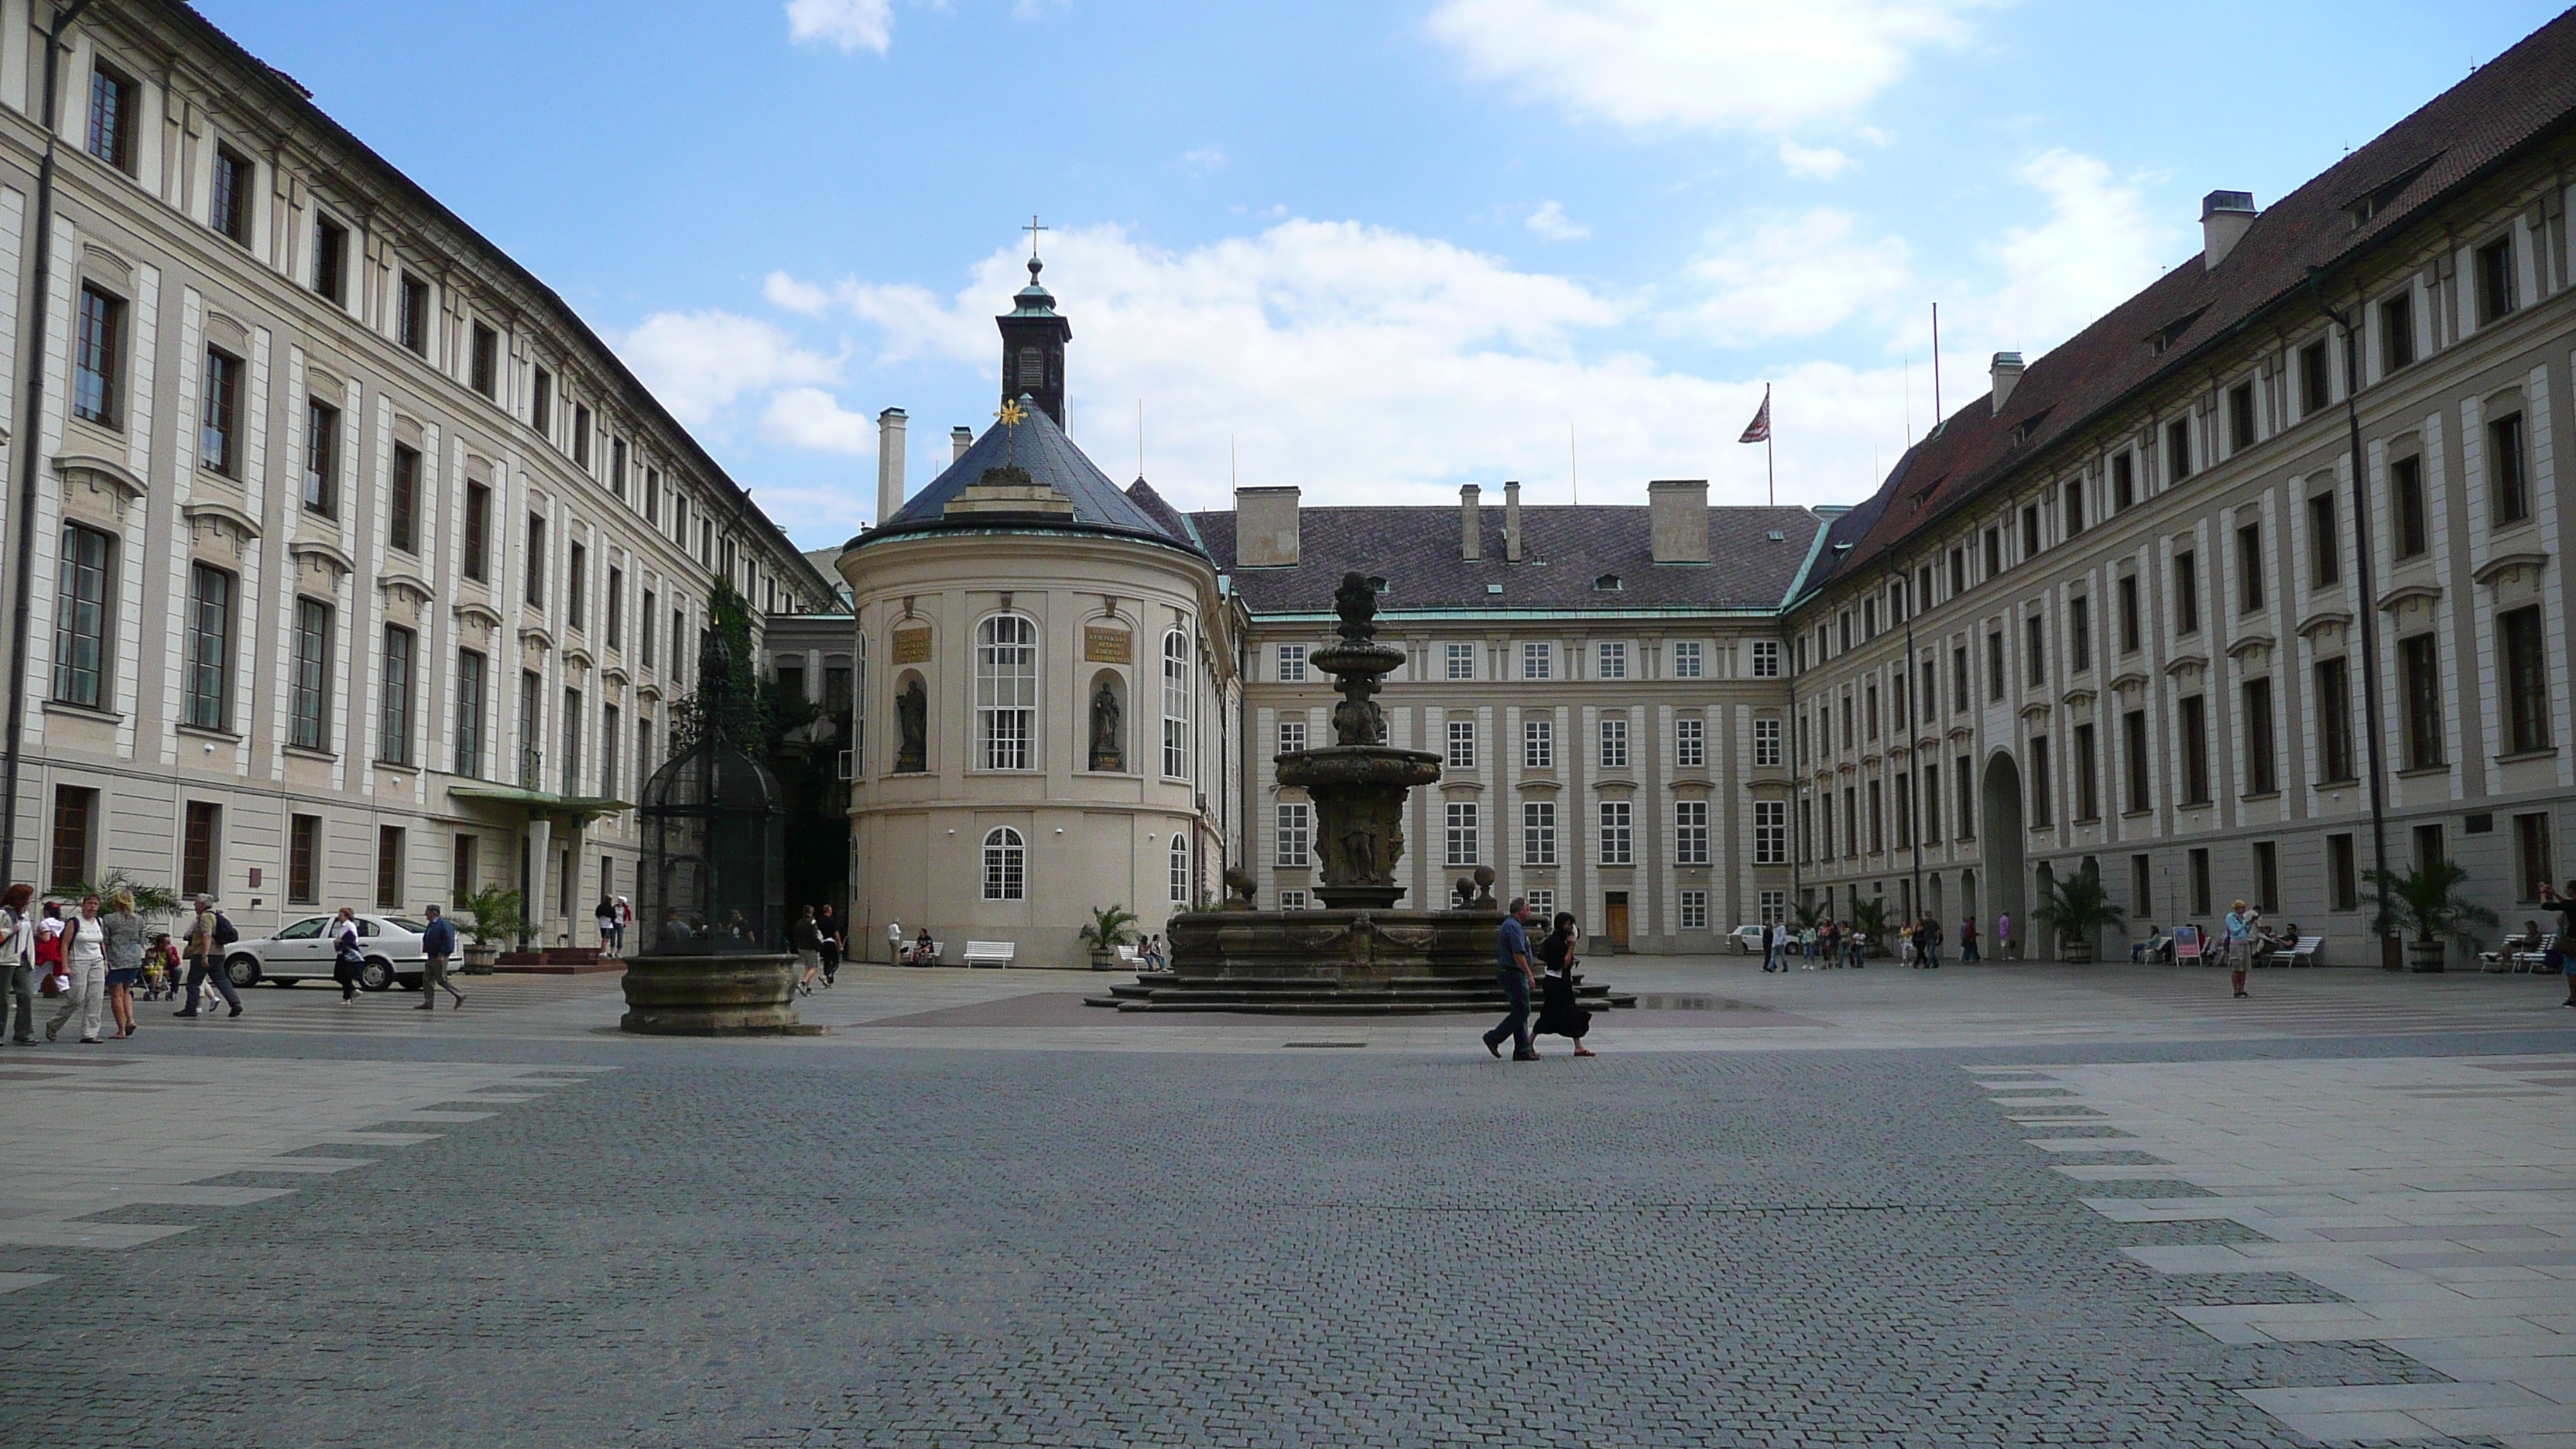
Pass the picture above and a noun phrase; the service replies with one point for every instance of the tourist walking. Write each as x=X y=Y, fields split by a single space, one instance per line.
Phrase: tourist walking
x=122 y=933
x=437 y=944
x=1559 y=1013
x=1512 y=972
x=829 y=930
x=2003 y=936
x=85 y=964
x=2561 y=958
x=604 y=916
x=18 y=965
x=807 y=940
x=208 y=935
x=347 y=957
x=1968 y=941
x=1929 y=932
x=2240 y=944
x=1807 y=948
x=1775 y=947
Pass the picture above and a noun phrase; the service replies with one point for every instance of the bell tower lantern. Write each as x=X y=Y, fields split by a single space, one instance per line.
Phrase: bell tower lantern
x=1033 y=339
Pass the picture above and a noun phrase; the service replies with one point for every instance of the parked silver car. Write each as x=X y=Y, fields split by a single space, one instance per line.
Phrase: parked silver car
x=1748 y=939
x=390 y=945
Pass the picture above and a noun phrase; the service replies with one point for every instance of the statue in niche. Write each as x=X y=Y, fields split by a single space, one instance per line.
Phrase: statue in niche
x=1108 y=741
x=912 y=720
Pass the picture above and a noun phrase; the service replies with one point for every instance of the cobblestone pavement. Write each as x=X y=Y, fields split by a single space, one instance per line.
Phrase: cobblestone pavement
x=532 y=1232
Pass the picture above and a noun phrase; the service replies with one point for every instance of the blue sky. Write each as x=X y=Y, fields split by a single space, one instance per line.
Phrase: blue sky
x=1372 y=250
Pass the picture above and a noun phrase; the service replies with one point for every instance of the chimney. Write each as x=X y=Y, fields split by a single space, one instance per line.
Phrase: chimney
x=889 y=464
x=1512 y=522
x=1265 y=527
x=2224 y=216
x=959 y=440
x=1677 y=513
x=1471 y=523
x=2005 y=373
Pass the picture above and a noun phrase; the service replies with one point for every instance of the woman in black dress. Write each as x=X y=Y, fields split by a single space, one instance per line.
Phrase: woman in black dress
x=1558 y=1015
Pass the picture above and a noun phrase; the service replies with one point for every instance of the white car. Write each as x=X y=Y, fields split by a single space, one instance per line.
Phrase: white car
x=390 y=946
x=1748 y=939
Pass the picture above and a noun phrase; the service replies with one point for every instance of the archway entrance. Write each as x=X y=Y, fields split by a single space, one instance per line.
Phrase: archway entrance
x=2001 y=798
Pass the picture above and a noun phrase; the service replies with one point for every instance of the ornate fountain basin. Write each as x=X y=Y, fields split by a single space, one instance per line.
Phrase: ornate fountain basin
x=1359 y=793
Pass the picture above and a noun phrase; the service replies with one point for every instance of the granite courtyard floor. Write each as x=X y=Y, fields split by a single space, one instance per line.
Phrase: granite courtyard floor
x=1996 y=1205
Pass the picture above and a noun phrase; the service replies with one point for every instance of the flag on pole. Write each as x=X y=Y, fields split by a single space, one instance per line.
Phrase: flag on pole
x=1759 y=430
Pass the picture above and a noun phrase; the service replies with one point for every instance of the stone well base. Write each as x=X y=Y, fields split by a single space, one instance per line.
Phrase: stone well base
x=1330 y=963
x=713 y=996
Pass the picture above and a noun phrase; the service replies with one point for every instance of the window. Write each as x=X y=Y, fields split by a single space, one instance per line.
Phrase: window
x=2034 y=651
x=1694 y=910
x=2074 y=508
x=645 y=615
x=2186 y=593
x=2195 y=750
x=1766 y=743
x=1006 y=865
x=389 y=867
x=1006 y=693
x=2397 y=332
x=1994 y=667
x=2249 y=568
x=2495 y=280
x=616 y=602
x=219 y=430
x=537 y=559
x=81 y=619
x=644 y=747
x=1771 y=832
x=2343 y=874
x=2406 y=490
x=304 y=860
x=679 y=642
x=1462 y=661
x=572 y=720
x=1538 y=744
x=1538 y=661
x=75 y=828
x=1958 y=573
x=1462 y=744
x=321 y=458
x=576 y=574
x=1618 y=845
x=2129 y=622
x=2133 y=738
x=1870 y=715
x=309 y=691
x=1994 y=552
x=2030 y=531
x=469 y=714
x=2262 y=768
x=2079 y=634
x=2043 y=792
x=210 y=642
x=2422 y=683
x=1296 y=831
x=1177 y=874
x=200 y=841
x=1538 y=832
x=228 y=205
x=395 y=715
x=2198 y=862
x=1967 y=799
x=1766 y=658
x=414 y=321
x=1463 y=835
x=1176 y=704
x=2428 y=845
x=1614 y=661
x=2088 y=794
x=2334 y=721
x=2325 y=543
x=1292 y=900
x=541 y=416
x=330 y=259
x=1542 y=904
x=2526 y=679
x=1292 y=663
x=2531 y=861
x=1959 y=679
x=2124 y=481
x=1690 y=832
x=1292 y=736
x=483 y=369
x=1687 y=659
x=1690 y=743
x=98 y=359
x=617 y=466
x=112 y=119
x=790 y=675
x=2177 y=450
x=402 y=513
x=2267 y=876
x=2240 y=417
x=581 y=441
x=2316 y=390
x=2508 y=477
x=1614 y=744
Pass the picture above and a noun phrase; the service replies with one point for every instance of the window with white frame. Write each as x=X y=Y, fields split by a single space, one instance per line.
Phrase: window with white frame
x=1292 y=900
x=1292 y=664
x=1694 y=911
x=1006 y=694
x=1464 y=846
x=1690 y=832
x=1618 y=833
x=1614 y=661
x=1462 y=661
x=1766 y=658
x=1538 y=661
x=1687 y=662
x=1179 y=874
x=1614 y=744
x=1176 y=705
x=1775 y=907
x=1292 y=736
x=1690 y=743
x=1296 y=831
x=1770 y=832
x=1462 y=744
x=1006 y=865
x=1538 y=744
x=1542 y=906
x=1766 y=742
x=1538 y=832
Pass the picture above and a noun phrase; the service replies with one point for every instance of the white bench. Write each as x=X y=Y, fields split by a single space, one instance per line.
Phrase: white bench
x=2515 y=958
x=991 y=953
x=1127 y=957
x=2304 y=953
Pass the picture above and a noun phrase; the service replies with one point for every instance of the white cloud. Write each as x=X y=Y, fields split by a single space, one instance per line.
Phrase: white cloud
x=699 y=363
x=789 y=294
x=850 y=25
x=1550 y=221
x=2099 y=245
x=808 y=417
x=1821 y=162
x=1700 y=64
x=1797 y=276
x=1203 y=160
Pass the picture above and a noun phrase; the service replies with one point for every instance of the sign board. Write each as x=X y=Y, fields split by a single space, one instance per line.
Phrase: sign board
x=1108 y=646
x=911 y=646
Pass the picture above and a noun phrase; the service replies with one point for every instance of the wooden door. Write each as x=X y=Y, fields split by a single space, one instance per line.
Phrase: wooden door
x=1614 y=919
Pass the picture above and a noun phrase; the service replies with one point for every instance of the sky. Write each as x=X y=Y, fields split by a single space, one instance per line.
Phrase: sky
x=1375 y=251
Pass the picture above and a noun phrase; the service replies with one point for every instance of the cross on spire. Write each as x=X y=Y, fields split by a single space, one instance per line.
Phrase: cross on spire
x=1033 y=229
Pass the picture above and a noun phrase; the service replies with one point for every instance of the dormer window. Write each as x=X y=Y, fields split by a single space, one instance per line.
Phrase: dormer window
x=1608 y=583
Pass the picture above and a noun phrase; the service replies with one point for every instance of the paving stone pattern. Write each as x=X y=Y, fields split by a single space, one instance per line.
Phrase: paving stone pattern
x=916 y=1248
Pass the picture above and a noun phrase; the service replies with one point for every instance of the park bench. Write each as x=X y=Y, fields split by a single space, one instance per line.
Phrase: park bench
x=2304 y=953
x=2514 y=958
x=991 y=953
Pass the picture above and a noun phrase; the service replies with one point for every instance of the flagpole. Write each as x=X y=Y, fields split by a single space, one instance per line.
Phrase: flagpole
x=1770 y=480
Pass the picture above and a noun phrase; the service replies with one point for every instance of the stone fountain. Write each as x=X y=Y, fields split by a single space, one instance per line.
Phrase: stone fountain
x=1358 y=955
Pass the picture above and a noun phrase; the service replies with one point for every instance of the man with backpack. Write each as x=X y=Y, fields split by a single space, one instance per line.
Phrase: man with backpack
x=207 y=939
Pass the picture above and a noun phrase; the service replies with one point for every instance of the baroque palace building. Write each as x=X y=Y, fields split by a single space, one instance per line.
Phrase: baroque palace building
x=348 y=566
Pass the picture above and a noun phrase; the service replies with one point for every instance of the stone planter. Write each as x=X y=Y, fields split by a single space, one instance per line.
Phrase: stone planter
x=1104 y=961
x=480 y=957
x=2079 y=953
x=746 y=995
x=2426 y=957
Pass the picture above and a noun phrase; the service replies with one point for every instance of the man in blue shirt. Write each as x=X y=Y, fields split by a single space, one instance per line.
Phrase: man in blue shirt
x=1512 y=972
x=437 y=943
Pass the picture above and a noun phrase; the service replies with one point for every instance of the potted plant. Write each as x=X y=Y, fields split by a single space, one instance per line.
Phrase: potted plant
x=149 y=899
x=493 y=918
x=1869 y=917
x=1110 y=928
x=2424 y=901
x=2079 y=911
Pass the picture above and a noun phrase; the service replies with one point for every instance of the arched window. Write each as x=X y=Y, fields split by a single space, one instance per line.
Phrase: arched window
x=1006 y=691
x=1006 y=865
x=1176 y=705
x=1180 y=854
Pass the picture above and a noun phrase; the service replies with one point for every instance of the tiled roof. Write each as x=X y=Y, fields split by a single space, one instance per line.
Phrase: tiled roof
x=1050 y=458
x=2522 y=97
x=1417 y=550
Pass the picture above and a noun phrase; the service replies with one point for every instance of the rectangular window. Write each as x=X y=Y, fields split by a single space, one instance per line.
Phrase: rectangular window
x=2495 y=280
x=1931 y=803
x=330 y=259
x=1686 y=659
x=2079 y=634
x=219 y=419
x=2186 y=593
x=1292 y=664
x=2142 y=897
x=310 y=687
x=1538 y=661
x=1295 y=834
x=2267 y=876
x=1542 y=904
x=1292 y=736
x=1766 y=744
x=81 y=619
x=2249 y=568
x=2532 y=868
x=2262 y=767
x=414 y=320
x=2428 y=845
x=581 y=441
x=2334 y=721
x=576 y=575
x=616 y=605
x=617 y=466
x=2508 y=473
x=2406 y=490
x=1869 y=715
x=1465 y=847
x=2034 y=652
x=1959 y=679
x=1690 y=832
x=572 y=718
x=2316 y=390
x=461 y=860
x=1770 y=832
x=2043 y=796
x=1538 y=832
x=1766 y=658
x=2129 y=622
x=2088 y=792
x=610 y=721
x=1462 y=661
x=402 y=513
x=389 y=867
x=2198 y=862
x=1958 y=572
x=1614 y=661
x=1618 y=846
x=1614 y=744
x=200 y=846
x=1690 y=743
x=2325 y=543
x=210 y=646
x=2240 y=417
x=98 y=359
x=1877 y=820
x=2194 y=730
x=75 y=828
x=2421 y=680
x=537 y=560
x=2073 y=507
x=2343 y=874
x=2030 y=531
x=2124 y=481
x=483 y=367
x=321 y=458
x=304 y=860
x=1965 y=794
x=2177 y=451
x=395 y=716
x=1994 y=552
x=228 y=207
x=2526 y=678
x=1995 y=664
x=1292 y=900
x=469 y=713
x=112 y=120
x=1538 y=744
x=478 y=531
x=646 y=616
x=1462 y=744
x=2133 y=738
x=1694 y=910
x=2397 y=332
x=541 y=416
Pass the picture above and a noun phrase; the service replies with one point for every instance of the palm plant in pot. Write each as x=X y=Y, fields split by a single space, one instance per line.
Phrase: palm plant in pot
x=1110 y=928
x=1870 y=916
x=493 y=917
x=2424 y=902
x=2079 y=911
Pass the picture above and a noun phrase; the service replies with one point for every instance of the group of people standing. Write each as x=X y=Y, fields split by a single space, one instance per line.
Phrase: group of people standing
x=89 y=960
x=1548 y=973
x=1833 y=945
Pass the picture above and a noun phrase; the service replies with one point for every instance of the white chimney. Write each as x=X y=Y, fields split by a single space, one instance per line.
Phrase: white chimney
x=2224 y=216
x=2005 y=374
x=1265 y=527
x=1471 y=523
x=889 y=464
x=959 y=440
x=1677 y=520
x=1512 y=522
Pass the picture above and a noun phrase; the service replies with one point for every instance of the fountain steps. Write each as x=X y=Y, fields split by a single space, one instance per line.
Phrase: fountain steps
x=1166 y=991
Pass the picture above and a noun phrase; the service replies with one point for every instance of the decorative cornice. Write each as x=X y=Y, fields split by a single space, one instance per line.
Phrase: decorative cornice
x=101 y=475
x=324 y=555
x=2507 y=568
x=2325 y=621
x=2248 y=644
x=223 y=516
x=2398 y=599
x=477 y=609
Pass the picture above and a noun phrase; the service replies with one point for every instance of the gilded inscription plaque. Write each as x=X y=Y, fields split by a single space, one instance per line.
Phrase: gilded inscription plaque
x=911 y=646
x=1107 y=646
